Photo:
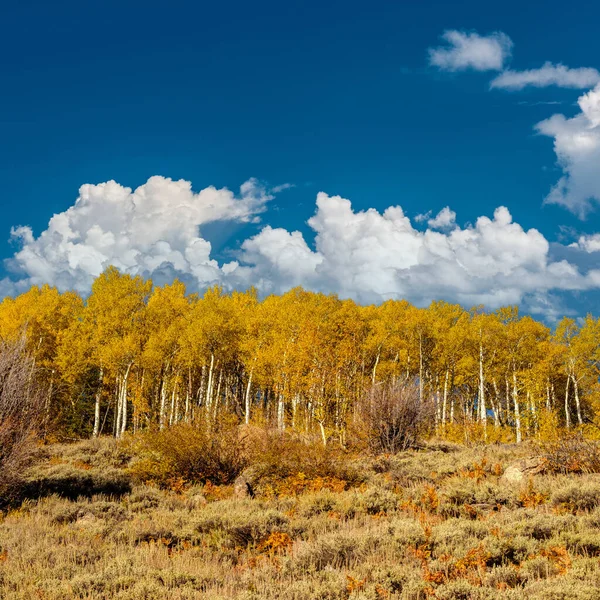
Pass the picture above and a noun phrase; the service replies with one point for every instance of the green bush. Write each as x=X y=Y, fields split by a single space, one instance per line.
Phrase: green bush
x=378 y=501
x=143 y=498
x=509 y=550
x=318 y=503
x=506 y=576
x=336 y=550
x=539 y=567
x=543 y=527
x=584 y=543
x=577 y=497
x=60 y=512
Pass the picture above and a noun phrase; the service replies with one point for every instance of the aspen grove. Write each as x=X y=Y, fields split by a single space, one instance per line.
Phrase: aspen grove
x=134 y=356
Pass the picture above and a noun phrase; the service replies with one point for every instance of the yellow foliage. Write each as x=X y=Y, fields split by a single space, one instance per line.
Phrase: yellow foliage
x=277 y=543
x=549 y=430
x=136 y=356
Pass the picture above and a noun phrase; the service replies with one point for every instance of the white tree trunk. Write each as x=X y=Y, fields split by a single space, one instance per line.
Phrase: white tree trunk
x=280 y=413
x=97 y=404
x=482 y=407
x=172 y=409
x=119 y=407
x=497 y=406
x=445 y=399
x=124 y=401
x=163 y=403
x=516 y=408
x=209 y=387
x=247 y=398
x=323 y=433
x=577 y=403
x=217 y=399
x=375 y=369
x=421 y=368
x=567 y=411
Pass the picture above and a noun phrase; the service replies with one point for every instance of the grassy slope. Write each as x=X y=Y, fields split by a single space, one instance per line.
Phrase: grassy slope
x=422 y=524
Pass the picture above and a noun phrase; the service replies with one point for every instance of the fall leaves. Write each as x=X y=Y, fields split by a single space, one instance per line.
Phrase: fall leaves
x=134 y=356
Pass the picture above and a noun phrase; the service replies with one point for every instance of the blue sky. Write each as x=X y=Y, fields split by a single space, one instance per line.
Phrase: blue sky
x=334 y=97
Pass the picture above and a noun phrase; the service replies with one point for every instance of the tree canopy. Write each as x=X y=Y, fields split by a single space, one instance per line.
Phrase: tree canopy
x=134 y=356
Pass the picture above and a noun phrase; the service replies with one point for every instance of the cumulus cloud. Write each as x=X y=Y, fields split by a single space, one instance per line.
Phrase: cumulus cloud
x=577 y=148
x=372 y=256
x=471 y=51
x=139 y=231
x=369 y=255
x=588 y=243
x=445 y=219
x=549 y=74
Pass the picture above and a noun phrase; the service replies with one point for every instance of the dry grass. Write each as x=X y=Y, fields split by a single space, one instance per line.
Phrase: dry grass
x=422 y=524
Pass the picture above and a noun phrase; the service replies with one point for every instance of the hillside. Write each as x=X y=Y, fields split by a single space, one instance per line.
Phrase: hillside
x=437 y=522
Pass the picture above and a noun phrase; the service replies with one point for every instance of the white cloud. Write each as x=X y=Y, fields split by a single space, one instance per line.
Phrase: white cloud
x=279 y=260
x=137 y=231
x=369 y=256
x=471 y=51
x=282 y=187
x=445 y=219
x=590 y=106
x=549 y=74
x=577 y=148
x=576 y=139
x=588 y=243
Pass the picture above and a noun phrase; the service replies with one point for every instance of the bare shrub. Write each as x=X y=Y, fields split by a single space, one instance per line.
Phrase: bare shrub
x=391 y=417
x=21 y=410
x=571 y=454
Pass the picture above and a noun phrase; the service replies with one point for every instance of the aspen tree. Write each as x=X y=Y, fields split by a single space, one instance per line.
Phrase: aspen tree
x=114 y=315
